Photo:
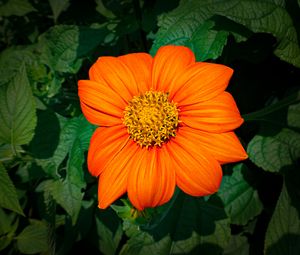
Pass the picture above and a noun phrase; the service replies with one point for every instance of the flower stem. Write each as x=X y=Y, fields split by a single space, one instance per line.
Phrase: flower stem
x=260 y=114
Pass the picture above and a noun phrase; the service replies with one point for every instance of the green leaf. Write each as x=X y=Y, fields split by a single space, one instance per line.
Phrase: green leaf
x=10 y=60
x=68 y=195
x=191 y=226
x=8 y=226
x=8 y=194
x=62 y=46
x=277 y=146
x=207 y=43
x=57 y=7
x=293 y=117
x=74 y=140
x=15 y=7
x=240 y=199
x=274 y=152
x=238 y=245
x=34 y=238
x=17 y=110
x=283 y=233
x=103 y=10
x=109 y=241
x=266 y=16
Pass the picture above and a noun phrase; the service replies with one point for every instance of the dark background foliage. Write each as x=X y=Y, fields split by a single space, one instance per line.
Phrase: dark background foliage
x=48 y=200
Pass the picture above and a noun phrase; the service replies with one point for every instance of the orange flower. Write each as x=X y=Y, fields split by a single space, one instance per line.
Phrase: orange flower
x=164 y=121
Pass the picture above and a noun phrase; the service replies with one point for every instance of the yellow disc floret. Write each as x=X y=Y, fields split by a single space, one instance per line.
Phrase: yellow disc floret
x=151 y=119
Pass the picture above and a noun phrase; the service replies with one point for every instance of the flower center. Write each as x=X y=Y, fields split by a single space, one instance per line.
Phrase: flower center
x=151 y=119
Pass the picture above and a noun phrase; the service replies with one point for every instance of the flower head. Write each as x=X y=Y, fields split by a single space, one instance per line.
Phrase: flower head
x=164 y=121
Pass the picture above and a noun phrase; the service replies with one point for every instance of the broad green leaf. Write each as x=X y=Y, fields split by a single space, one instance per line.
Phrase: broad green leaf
x=109 y=241
x=74 y=140
x=8 y=194
x=74 y=132
x=192 y=226
x=68 y=195
x=238 y=245
x=34 y=238
x=266 y=16
x=8 y=226
x=15 y=7
x=283 y=233
x=10 y=60
x=58 y=6
x=240 y=199
x=62 y=46
x=17 y=110
x=207 y=43
x=274 y=152
x=277 y=146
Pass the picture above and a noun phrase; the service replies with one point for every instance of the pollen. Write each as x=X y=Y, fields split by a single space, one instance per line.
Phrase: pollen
x=151 y=119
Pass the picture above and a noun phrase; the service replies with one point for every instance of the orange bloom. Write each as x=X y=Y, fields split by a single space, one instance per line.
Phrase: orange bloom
x=164 y=121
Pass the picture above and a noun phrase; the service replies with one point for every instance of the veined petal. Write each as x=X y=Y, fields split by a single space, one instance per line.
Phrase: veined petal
x=200 y=82
x=100 y=98
x=170 y=62
x=197 y=172
x=151 y=181
x=99 y=118
x=216 y=115
x=140 y=64
x=113 y=180
x=105 y=144
x=225 y=147
x=116 y=75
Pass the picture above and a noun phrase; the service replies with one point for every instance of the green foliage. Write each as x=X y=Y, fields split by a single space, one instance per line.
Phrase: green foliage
x=240 y=199
x=58 y=6
x=183 y=24
x=8 y=227
x=34 y=238
x=8 y=193
x=189 y=224
x=73 y=142
x=17 y=110
x=273 y=150
x=48 y=199
x=283 y=233
x=16 y=7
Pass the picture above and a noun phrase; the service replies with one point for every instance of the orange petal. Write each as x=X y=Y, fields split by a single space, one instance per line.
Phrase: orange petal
x=151 y=181
x=200 y=82
x=197 y=172
x=116 y=75
x=217 y=115
x=225 y=147
x=99 y=118
x=96 y=98
x=113 y=180
x=105 y=144
x=140 y=64
x=169 y=62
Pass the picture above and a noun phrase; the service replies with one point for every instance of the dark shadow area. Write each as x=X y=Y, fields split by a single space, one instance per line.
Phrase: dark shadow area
x=46 y=136
x=289 y=244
